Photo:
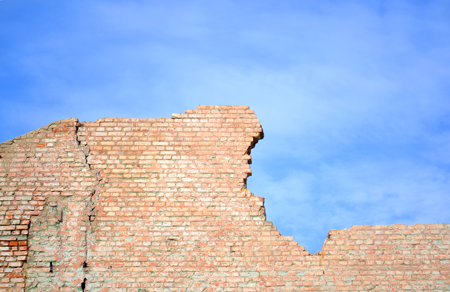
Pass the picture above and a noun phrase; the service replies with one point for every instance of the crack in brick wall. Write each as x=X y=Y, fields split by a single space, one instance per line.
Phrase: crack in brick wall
x=162 y=205
x=44 y=189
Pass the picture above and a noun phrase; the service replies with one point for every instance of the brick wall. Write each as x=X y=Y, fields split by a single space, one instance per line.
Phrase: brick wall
x=162 y=205
x=45 y=186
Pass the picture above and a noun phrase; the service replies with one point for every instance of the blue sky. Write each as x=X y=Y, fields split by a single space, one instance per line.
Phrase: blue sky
x=353 y=96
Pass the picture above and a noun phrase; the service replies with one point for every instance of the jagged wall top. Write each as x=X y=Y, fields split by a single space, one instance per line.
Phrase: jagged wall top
x=162 y=205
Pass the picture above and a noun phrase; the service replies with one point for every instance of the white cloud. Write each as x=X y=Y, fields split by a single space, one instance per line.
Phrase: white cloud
x=306 y=204
x=352 y=95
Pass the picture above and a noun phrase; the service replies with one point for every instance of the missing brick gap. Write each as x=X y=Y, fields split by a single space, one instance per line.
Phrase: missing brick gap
x=85 y=267
x=77 y=125
x=83 y=285
x=51 y=267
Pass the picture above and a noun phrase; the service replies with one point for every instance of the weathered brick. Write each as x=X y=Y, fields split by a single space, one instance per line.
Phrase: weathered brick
x=161 y=205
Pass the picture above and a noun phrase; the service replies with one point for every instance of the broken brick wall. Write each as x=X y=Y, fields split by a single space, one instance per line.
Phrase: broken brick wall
x=162 y=205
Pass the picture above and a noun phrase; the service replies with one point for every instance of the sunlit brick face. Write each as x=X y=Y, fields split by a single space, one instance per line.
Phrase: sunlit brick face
x=162 y=205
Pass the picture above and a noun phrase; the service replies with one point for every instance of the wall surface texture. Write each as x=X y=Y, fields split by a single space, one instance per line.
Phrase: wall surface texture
x=161 y=205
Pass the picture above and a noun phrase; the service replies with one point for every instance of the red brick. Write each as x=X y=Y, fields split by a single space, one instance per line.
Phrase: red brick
x=162 y=204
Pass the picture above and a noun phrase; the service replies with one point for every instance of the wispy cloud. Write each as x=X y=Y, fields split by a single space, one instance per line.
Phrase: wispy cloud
x=307 y=203
x=353 y=96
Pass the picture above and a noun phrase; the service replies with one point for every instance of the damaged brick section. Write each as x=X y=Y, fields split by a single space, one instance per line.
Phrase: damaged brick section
x=162 y=205
x=45 y=187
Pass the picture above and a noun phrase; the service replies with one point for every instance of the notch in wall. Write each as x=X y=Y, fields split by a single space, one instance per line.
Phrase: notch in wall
x=83 y=285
